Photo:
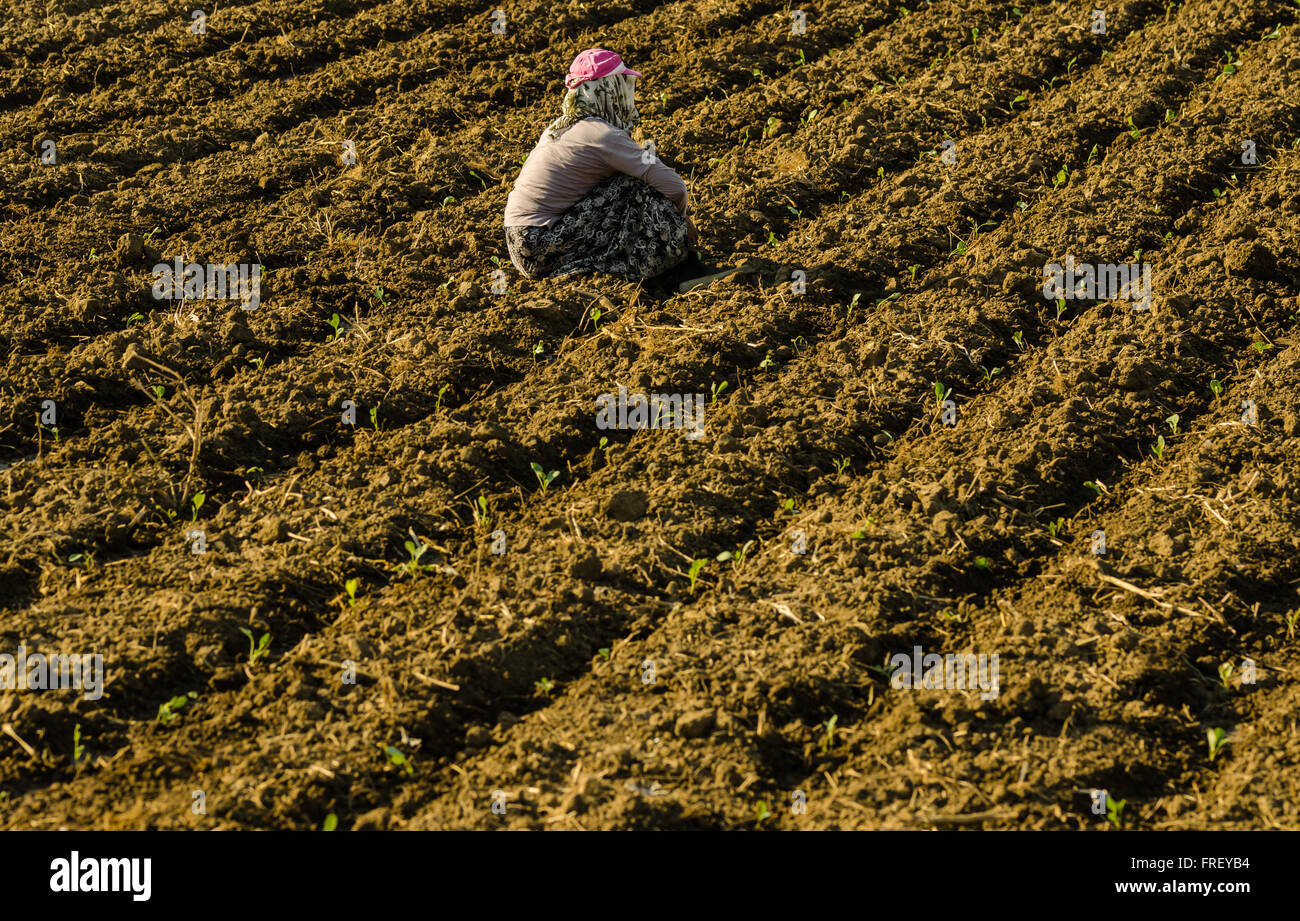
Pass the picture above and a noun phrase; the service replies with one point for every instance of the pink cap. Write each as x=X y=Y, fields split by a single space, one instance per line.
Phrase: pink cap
x=593 y=64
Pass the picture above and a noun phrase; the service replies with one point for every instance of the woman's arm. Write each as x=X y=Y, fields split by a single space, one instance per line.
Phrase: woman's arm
x=622 y=153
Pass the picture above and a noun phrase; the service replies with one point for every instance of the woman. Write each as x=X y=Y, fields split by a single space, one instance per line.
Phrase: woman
x=589 y=198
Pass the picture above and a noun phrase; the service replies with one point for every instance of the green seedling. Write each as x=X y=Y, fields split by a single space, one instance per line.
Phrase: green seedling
x=196 y=503
x=331 y=823
x=1216 y=388
x=413 y=565
x=990 y=373
x=771 y=239
x=1158 y=449
x=257 y=648
x=603 y=653
x=380 y=297
x=351 y=586
x=1172 y=422
x=1134 y=131
x=1019 y=339
x=983 y=562
x=544 y=478
x=1225 y=672
x=802 y=59
x=538 y=349
x=543 y=686
x=911 y=271
x=437 y=404
x=766 y=363
x=762 y=812
x=1060 y=308
x=853 y=303
x=398 y=759
x=374 y=418
x=829 y=739
x=595 y=313
x=1261 y=346
x=256 y=362
x=1061 y=176
x=841 y=465
x=788 y=505
x=168 y=711
x=940 y=392
x=715 y=390
x=1115 y=811
x=160 y=391
x=1020 y=98
x=334 y=325
x=481 y=517
x=1230 y=66
x=134 y=318
x=694 y=572
x=78 y=750
x=736 y=558
x=1056 y=527
x=1095 y=487
x=1217 y=738
x=1290 y=625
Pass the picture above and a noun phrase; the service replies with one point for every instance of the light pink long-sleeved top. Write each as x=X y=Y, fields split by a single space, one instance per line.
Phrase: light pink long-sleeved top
x=560 y=171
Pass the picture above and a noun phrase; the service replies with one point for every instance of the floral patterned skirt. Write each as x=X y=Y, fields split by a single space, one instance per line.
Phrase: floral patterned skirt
x=622 y=227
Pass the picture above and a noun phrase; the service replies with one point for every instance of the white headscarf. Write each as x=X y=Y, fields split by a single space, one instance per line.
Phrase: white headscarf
x=609 y=98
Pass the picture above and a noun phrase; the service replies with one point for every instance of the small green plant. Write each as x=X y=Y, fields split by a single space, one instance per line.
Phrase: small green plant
x=1115 y=811
x=78 y=750
x=380 y=297
x=1060 y=308
x=257 y=648
x=538 y=349
x=603 y=653
x=351 y=586
x=1158 y=449
x=595 y=313
x=374 y=418
x=788 y=505
x=983 y=562
x=160 y=391
x=437 y=404
x=256 y=362
x=196 y=503
x=398 y=759
x=1062 y=175
x=737 y=558
x=334 y=326
x=853 y=303
x=841 y=465
x=1095 y=487
x=413 y=565
x=544 y=478
x=1216 y=388
x=829 y=738
x=694 y=572
x=990 y=373
x=762 y=812
x=715 y=390
x=331 y=823
x=1225 y=672
x=168 y=711
x=1172 y=422
x=543 y=687
x=1290 y=625
x=766 y=363
x=1056 y=527
x=940 y=392
x=134 y=318
x=1217 y=738
x=911 y=271
x=771 y=239
x=482 y=518
x=1019 y=339
x=1134 y=131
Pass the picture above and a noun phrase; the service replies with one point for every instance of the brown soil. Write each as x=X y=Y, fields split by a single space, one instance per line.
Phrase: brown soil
x=521 y=678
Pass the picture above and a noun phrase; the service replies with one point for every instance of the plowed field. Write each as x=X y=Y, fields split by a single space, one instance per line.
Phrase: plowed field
x=651 y=650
